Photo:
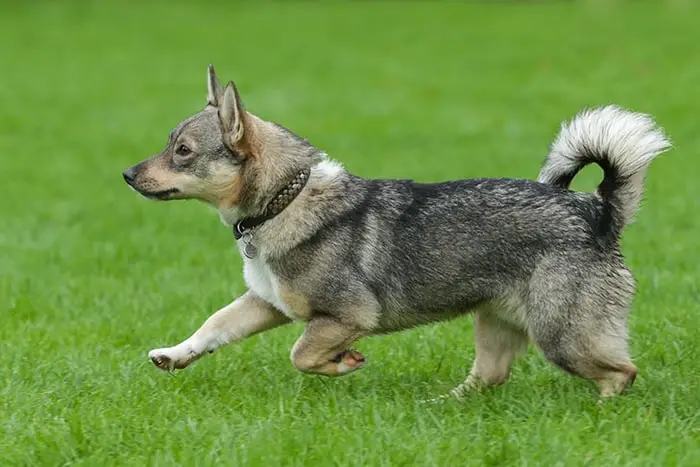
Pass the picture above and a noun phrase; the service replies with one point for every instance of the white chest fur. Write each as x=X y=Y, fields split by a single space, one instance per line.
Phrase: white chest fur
x=265 y=284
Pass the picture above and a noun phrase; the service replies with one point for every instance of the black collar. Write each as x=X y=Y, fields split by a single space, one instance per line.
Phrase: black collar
x=281 y=200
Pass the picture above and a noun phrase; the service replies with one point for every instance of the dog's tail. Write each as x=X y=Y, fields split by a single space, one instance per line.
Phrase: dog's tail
x=622 y=143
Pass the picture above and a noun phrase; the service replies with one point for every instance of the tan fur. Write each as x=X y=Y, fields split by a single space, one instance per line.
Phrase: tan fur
x=253 y=144
x=297 y=303
x=230 y=196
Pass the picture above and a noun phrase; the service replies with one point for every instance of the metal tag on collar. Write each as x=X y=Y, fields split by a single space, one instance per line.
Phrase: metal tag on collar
x=249 y=250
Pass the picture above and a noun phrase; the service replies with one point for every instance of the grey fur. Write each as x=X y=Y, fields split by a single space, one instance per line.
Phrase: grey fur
x=355 y=257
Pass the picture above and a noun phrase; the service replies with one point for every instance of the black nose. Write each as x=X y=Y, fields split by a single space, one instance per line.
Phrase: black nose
x=129 y=175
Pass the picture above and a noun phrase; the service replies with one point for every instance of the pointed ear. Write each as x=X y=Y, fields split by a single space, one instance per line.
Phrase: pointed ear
x=232 y=115
x=214 y=90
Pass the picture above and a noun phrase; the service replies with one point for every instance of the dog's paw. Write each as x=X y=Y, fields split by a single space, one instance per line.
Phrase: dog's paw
x=171 y=358
x=458 y=393
x=453 y=395
x=442 y=398
x=349 y=361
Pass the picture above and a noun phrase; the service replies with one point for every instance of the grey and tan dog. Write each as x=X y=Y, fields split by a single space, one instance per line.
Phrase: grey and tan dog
x=353 y=257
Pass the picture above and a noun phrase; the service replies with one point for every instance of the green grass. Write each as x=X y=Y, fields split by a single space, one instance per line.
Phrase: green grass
x=92 y=276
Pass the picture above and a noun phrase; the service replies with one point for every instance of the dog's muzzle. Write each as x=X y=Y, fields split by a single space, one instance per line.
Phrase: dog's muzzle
x=130 y=175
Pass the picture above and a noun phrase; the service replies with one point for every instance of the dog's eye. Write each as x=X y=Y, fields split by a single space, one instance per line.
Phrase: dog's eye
x=183 y=150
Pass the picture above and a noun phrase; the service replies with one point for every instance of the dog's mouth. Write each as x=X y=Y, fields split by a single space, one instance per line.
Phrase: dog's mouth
x=162 y=195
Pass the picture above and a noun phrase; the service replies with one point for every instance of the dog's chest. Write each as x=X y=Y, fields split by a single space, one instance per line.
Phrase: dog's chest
x=261 y=280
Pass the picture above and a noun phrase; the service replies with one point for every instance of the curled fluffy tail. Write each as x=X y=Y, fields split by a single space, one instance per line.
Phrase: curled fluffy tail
x=622 y=143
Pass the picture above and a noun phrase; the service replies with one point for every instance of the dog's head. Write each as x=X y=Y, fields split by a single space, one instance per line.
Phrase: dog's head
x=222 y=155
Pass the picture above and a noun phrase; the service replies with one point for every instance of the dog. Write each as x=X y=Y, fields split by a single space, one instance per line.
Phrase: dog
x=352 y=257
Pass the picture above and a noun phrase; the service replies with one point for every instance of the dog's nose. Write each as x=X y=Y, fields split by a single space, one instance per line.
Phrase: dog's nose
x=129 y=175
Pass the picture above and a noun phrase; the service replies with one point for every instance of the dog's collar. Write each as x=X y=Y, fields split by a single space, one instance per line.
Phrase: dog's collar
x=278 y=204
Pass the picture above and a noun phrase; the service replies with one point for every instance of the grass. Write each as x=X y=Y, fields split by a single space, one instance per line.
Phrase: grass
x=92 y=277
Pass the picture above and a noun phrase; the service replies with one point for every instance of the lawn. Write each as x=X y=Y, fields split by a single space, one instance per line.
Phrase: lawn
x=92 y=276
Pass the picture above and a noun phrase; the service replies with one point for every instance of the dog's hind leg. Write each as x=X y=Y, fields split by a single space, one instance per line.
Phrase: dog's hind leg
x=577 y=316
x=497 y=344
x=601 y=357
x=246 y=316
x=589 y=339
x=324 y=347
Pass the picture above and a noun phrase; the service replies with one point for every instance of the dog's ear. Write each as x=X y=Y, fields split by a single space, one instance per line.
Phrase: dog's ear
x=232 y=115
x=215 y=92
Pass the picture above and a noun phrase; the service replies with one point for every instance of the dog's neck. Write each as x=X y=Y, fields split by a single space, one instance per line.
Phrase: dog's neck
x=325 y=188
x=279 y=203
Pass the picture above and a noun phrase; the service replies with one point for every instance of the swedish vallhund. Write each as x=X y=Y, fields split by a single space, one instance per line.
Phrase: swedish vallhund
x=353 y=257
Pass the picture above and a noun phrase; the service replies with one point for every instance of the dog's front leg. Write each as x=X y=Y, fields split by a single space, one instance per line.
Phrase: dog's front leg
x=245 y=316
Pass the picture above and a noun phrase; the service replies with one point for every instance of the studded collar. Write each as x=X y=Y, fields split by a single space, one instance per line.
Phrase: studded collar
x=278 y=204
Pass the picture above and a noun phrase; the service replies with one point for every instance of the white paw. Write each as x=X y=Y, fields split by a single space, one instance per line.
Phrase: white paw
x=172 y=358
